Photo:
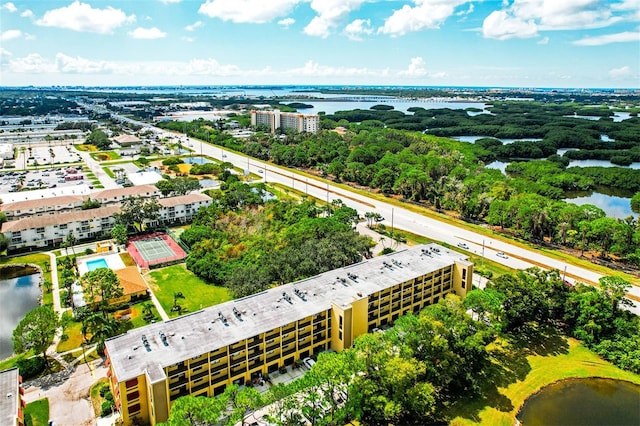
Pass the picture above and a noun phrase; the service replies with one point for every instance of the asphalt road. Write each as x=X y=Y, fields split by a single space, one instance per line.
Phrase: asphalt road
x=401 y=218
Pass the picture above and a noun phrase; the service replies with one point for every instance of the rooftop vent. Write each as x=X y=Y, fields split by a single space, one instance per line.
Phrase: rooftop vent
x=145 y=342
x=237 y=313
x=387 y=265
x=352 y=277
x=222 y=318
x=287 y=297
x=163 y=337
x=300 y=294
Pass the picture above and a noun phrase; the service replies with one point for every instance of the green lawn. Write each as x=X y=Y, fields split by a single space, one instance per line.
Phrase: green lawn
x=520 y=369
x=36 y=413
x=198 y=294
x=73 y=331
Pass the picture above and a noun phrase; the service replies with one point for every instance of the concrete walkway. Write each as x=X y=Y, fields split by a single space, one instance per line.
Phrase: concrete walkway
x=155 y=300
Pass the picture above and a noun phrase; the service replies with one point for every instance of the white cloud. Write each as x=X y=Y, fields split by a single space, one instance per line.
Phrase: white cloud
x=330 y=13
x=416 y=68
x=84 y=18
x=247 y=11
x=544 y=41
x=10 y=35
x=502 y=26
x=286 y=22
x=9 y=7
x=466 y=12
x=27 y=14
x=193 y=26
x=426 y=14
x=5 y=55
x=31 y=64
x=147 y=33
x=188 y=39
x=525 y=18
x=313 y=69
x=358 y=28
x=620 y=72
x=624 y=37
x=78 y=65
x=170 y=1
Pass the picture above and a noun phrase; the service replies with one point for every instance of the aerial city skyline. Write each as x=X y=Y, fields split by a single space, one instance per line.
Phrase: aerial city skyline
x=535 y=43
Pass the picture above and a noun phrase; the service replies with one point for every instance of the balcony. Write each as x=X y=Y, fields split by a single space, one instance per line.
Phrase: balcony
x=197 y=364
x=253 y=342
x=177 y=383
x=288 y=341
x=238 y=357
x=239 y=370
x=218 y=355
x=177 y=370
x=199 y=387
x=196 y=377
x=255 y=352
x=272 y=358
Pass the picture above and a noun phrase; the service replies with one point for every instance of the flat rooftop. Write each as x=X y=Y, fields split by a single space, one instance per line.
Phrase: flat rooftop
x=170 y=342
x=9 y=396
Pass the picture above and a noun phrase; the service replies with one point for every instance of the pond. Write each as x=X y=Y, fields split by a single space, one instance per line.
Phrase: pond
x=583 y=402
x=614 y=204
x=196 y=160
x=18 y=295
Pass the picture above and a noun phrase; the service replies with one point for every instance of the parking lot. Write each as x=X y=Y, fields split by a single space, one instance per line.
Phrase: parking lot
x=61 y=177
x=43 y=155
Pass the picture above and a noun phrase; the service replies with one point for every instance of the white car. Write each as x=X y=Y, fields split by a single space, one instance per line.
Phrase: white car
x=308 y=362
x=502 y=255
x=463 y=246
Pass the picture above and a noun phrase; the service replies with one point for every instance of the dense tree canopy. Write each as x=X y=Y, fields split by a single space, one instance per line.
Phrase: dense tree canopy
x=249 y=246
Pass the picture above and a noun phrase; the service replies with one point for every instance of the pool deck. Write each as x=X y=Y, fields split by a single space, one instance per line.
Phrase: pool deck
x=114 y=262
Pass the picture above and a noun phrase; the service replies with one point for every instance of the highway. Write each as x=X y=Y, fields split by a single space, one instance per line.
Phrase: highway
x=400 y=218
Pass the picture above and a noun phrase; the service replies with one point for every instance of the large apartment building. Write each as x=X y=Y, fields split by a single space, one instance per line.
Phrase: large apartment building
x=11 y=402
x=286 y=120
x=234 y=342
x=49 y=226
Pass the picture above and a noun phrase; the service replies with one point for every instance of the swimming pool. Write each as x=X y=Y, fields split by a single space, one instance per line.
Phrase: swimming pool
x=94 y=264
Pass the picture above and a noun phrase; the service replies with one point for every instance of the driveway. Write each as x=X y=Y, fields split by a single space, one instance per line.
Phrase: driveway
x=69 y=401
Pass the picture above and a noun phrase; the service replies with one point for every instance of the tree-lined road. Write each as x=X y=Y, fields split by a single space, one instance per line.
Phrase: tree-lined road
x=399 y=217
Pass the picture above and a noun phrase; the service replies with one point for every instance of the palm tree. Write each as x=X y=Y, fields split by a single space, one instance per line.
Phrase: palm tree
x=71 y=240
x=176 y=296
x=147 y=311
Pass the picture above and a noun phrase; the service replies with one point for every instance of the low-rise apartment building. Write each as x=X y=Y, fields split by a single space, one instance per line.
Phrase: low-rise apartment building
x=48 y=229
x=286 y=120
x=234 y=342
x=11 y=402
x=67 y=203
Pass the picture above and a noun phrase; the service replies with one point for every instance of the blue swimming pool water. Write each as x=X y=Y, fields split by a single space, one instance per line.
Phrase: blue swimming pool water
x=92 y=265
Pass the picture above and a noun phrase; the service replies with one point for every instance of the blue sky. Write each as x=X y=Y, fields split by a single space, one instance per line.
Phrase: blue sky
x=512 y=43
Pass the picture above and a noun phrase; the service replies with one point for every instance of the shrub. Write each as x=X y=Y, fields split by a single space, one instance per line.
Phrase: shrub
x=88 y=251
x=104 y=390
x=172 y=161
x=106 y=409
x=31 y=367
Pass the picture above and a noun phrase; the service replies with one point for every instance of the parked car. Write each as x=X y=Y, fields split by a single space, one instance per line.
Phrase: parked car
x=502 y=255
x=463 y=246
x=308 y=362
